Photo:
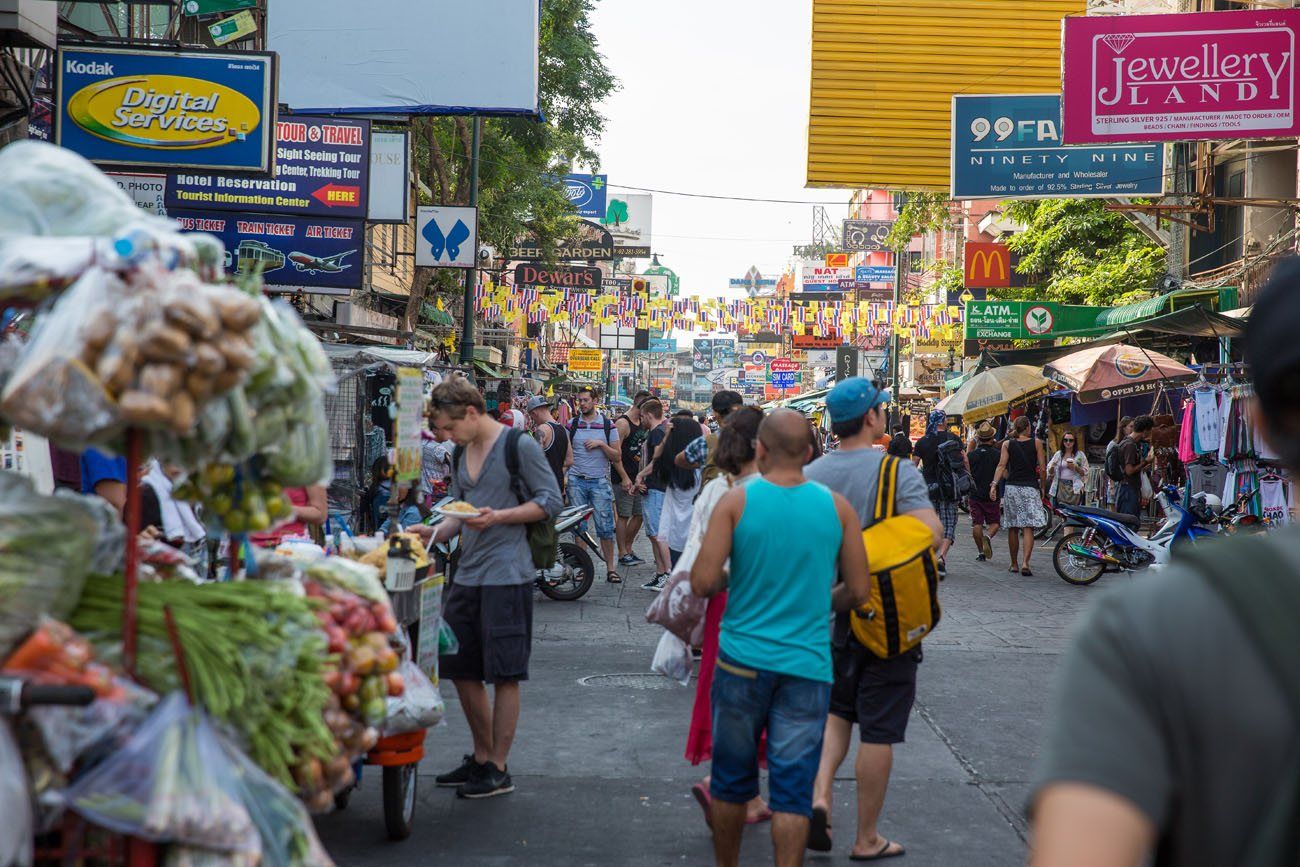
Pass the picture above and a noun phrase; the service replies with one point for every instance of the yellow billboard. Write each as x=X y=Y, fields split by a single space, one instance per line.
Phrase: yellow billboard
x=586 y=360
x=884 y=73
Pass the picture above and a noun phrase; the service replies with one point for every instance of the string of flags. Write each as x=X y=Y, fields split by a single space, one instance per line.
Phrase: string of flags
x=579 y=309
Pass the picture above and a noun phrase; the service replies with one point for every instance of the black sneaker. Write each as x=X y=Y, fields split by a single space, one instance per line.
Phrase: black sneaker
x=631 y=560
x=487 y=782
x=460 y=776
x=981 y=558
x=656 y=583
x=943 y=569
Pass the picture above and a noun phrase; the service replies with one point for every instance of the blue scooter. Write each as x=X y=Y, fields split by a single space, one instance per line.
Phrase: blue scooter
x=1110 y=541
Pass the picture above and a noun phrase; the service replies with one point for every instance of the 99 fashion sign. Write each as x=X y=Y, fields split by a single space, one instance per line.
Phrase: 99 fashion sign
x=168 y=109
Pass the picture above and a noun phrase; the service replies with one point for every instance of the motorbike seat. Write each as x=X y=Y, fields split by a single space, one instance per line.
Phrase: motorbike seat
x=1118 y=517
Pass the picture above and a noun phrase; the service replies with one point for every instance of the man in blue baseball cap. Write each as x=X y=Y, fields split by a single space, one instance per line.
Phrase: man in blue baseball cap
x=877 y=694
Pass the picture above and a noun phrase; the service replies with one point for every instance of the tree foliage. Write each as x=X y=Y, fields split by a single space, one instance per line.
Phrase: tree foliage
x=520 y=160
x=1085 y=253
x=921 y=213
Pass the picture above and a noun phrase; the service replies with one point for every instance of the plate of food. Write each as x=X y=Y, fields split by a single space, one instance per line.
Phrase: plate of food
x=458 y=509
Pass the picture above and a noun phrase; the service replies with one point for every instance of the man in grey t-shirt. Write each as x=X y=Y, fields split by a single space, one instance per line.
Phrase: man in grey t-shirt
x=1170 y=734
x=877 y=694
x=489 y=605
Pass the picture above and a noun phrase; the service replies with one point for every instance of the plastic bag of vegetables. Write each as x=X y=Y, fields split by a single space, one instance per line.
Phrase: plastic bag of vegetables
x=172 y=782
x=15 y=805
x=46 y=546
x=420 y=706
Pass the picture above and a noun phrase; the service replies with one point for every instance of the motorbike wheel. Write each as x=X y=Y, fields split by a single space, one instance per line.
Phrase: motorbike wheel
x=1072 y=568
x=579 y=573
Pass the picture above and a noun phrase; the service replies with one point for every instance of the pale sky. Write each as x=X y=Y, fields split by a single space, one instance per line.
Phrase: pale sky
x=714 y=100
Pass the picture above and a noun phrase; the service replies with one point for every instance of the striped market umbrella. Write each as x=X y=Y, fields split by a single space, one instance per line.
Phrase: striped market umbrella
x=993 y=392
x=1102 y=373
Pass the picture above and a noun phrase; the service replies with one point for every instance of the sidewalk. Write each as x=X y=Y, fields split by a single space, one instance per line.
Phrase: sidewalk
x=598 y=758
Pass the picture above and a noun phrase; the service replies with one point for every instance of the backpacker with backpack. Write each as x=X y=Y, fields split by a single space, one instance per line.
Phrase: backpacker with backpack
x=903 y=607
x=543 y=540
x=1115 y=463
x=953 y=476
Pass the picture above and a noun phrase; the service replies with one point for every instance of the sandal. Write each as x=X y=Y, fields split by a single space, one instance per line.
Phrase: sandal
x=706 y=802
x=1027 y=572
x=881 y=853
x=613 y=578
x=1014 y=570
x=819 y=831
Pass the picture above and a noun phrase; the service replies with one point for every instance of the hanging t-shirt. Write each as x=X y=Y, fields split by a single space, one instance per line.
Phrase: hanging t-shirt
x=1272 y=492
x=1206 y=479
x=1208 y=431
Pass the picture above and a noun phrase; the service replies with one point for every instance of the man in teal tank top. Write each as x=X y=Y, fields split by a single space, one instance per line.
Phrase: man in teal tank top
x=787 y=539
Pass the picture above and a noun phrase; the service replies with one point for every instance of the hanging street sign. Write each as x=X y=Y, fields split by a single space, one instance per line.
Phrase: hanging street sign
x=784 y=365
x=446 y=237
x=874 y=274
x=215 y=7
x=586 y=360
x=837 y=260
x=588 y=194
x=232 y=28
x=754 y=283
x=866 y=236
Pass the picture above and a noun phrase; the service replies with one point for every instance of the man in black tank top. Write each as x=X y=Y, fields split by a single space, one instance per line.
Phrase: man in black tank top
x=552 y=437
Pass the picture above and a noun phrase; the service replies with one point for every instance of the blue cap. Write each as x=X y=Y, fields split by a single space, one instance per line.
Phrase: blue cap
x=853 y=398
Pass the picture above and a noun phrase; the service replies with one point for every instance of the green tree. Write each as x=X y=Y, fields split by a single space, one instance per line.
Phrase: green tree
x=1084 y=253
x=921 y=213
x=521 y=160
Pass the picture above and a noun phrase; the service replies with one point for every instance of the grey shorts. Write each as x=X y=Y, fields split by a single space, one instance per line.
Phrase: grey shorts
x=494 y=626
x=626 y=505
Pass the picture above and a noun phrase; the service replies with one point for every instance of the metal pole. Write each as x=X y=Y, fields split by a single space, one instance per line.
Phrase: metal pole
x=471 y=274
x=894 y=343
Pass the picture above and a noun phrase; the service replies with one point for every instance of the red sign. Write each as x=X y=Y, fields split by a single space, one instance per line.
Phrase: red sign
x=837 y=260
x=988 y=266
x=811 y=341
x=784 y=365
x=567 y=276
x=1197 y=75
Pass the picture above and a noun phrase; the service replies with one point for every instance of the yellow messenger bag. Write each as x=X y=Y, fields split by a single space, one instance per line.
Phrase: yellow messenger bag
x=903 y=607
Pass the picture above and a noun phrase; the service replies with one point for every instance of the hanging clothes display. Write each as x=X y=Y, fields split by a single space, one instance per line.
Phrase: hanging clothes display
x=1208 y=431
x=1274 y=500
x=1187 y=433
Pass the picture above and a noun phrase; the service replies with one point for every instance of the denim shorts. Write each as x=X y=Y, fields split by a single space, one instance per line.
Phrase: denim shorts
x=654 y=508
x=748 y=701
x=598 y=494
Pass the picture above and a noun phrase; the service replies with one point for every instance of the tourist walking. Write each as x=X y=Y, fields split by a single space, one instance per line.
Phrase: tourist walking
x=787 y=539
x=929 y=453
x=552 y=437
x=595 y=452
x=489 y=605
x=628 y=501
x=1128 y=498
x=1122 y=430
x=698 y=454
x=681 y=485
x=652 y=480
x=1172 y=737
x=875 y=694
x=1068 y=472
x=985 y=516
x=900 y=444
x=1021 y=466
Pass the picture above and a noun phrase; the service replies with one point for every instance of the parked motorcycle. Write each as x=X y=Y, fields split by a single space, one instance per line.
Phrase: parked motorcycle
x=573 y=573
x=1110 y=541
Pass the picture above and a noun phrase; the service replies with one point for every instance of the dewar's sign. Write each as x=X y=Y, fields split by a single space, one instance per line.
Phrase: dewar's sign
x=1199 y=75
x=170 y=109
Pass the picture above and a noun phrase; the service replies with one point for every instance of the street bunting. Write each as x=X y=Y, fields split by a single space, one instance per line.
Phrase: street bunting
x=322 y=168
x=170 y=109
x=1009 y=147
x=319 y=255
x=586 y=360
x=1179 y=77
x=446 y=237
x=866 y=236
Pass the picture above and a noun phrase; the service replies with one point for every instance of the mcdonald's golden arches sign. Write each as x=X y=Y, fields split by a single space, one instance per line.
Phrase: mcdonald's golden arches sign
x=988 y=266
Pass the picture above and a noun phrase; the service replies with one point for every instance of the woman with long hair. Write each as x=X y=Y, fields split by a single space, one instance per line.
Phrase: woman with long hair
x=1068 y=470
x=737 y=458
x=682 y=485
x=1022 y=502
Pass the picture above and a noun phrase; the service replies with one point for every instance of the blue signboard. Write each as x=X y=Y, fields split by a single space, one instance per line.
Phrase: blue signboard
x=1009 y=147
x=663 y=345
x=874 y=274
x=322 y=168
x=784 y=379
x=323 y=256
x=168 y=109
x=588 y=194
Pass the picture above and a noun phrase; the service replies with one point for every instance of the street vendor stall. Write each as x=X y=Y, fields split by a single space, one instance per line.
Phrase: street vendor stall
x=221 y=712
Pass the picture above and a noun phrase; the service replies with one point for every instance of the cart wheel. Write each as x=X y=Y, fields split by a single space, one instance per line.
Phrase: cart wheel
x=399 y=800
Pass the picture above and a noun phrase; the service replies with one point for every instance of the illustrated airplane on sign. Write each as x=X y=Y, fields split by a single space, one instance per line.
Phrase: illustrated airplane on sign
x=317 y=265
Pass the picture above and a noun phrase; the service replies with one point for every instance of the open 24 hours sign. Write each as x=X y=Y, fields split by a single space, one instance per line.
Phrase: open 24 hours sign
x=167 y=109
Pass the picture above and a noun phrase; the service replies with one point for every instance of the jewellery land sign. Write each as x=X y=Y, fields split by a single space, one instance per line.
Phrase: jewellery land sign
x=1198 y=75
x=1009 y=147
x=866 y=236
x=587 y=194
x=322 y=168
x=321 y=256
x=168 y=109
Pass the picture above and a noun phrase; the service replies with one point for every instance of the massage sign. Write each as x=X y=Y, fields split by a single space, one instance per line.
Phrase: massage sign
x=1207 y=75
x=167 y=109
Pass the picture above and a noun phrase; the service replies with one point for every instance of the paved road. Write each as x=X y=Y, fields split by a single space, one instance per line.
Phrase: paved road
x=598 y=760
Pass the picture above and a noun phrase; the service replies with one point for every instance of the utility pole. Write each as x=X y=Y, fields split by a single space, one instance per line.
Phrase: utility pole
x=471 y=274
x=895 y=343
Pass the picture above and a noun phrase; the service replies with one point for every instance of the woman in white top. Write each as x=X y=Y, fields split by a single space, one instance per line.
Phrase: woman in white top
x=1068 y=470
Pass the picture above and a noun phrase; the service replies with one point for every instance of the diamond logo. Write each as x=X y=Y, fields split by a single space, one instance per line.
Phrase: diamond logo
x=1119 y=41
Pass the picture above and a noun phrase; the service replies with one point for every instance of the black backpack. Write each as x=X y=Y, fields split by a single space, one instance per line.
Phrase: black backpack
x=543 y=541
x=1115 y=464
x=954 y=481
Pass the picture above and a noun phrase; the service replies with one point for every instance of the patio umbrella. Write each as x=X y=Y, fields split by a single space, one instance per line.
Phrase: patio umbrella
x=991 y=393
x=1102 y=373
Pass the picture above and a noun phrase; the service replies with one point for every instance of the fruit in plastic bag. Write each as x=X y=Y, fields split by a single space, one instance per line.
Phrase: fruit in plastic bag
x=172 y=782
x=419 y=707
x=673 y=659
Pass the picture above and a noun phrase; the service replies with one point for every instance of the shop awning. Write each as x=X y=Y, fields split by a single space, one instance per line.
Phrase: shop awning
x=1134 y=313
x=1040 y=355
x=491 y=371
x=390 y=355
x=1195 y=321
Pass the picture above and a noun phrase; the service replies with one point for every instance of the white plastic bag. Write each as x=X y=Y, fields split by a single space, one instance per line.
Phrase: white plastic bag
x=420 y=706
x=673 y=659
x=15 y=805
x=677 y=609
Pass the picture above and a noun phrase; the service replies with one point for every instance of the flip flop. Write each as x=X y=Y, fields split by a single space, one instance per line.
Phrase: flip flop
x=881 y=854
x=1014 y=570
x=819 y=832
x=764 y=816
x=1027 y=572
x=706 y=802
x=613 y=578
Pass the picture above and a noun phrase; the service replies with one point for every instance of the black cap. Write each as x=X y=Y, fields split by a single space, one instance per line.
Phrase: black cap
x=1272 y=349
